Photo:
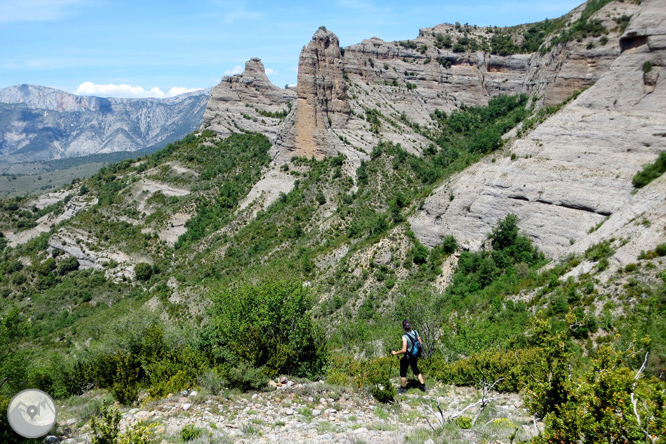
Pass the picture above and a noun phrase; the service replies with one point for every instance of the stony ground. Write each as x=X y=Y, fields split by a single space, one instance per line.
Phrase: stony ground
x=309 y=412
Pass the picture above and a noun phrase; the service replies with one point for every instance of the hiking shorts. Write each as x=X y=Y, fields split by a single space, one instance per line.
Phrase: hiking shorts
x=407 y=362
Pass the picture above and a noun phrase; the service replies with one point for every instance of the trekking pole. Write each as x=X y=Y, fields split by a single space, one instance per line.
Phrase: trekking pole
x=389 y=372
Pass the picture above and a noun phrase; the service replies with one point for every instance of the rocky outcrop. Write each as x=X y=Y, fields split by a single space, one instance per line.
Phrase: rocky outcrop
x=322 y=97
x=575 y=170
x=350 y=99
x=38 y=123
x=248 y=102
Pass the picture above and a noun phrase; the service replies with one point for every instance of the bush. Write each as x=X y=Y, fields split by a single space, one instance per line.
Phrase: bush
x=19 y=279
x=661 y=250
x=514 y=366
x=190 y=433
x=383 y=390
x=143 y=271
x=464 y=422
x=650 y=172
x=213 y=382
x=106 y=428
x=449 y=244
x=67 y=265
x=125 y=388
x=647 y=66
x=267 y=326
x=419 y=253
x=597 y=407
x=246 y=378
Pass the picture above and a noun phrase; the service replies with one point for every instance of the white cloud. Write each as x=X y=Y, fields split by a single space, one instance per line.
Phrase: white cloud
x=177 y=90
x=128 y=91
x=294 y=68
x=235 y=70
x=271 y=72
x=35 y=10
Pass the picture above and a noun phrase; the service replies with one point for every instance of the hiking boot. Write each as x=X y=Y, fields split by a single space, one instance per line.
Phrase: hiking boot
x=422 y=387
x=402 y=390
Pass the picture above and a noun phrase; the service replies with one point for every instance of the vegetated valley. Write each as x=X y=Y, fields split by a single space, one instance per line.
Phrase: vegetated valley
x=165 y=273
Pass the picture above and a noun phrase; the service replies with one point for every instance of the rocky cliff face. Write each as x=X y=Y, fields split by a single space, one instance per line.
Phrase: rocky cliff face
x=349 y=99
x=248 y=102
x=573 y=173
x=322 y=97
x=38 y=123
x=566 y=177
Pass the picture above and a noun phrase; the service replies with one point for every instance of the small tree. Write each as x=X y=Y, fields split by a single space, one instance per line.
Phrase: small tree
x=68 y=264
x=506 y=232
x=143 y=271
x=267 y=326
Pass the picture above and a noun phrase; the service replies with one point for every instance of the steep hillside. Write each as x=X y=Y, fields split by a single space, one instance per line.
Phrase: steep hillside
x=350 y=99
x=39 y=123
x=573 y=173
x=294 y=231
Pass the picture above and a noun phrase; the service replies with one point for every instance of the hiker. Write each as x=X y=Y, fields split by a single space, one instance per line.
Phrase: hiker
x=409 y=356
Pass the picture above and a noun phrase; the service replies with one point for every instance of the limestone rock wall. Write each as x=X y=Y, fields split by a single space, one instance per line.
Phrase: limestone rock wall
x=322 y=99
x=402 y=83
x=573 y=172
x=248 y=101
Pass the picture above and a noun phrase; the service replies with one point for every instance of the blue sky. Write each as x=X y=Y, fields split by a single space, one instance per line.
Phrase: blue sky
x=94 y=46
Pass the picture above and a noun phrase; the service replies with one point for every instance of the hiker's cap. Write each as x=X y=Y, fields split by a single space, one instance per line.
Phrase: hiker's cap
x=406 y=325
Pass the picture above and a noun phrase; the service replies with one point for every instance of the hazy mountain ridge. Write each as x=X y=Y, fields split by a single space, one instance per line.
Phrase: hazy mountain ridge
x=40 y=123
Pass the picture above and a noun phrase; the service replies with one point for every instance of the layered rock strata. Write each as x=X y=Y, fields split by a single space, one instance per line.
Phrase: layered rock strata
x=350 y=99
x=248 y=102
x=574 y=171
x=322 y=98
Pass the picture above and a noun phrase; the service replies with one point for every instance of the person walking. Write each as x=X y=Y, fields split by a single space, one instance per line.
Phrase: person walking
x=408 y=357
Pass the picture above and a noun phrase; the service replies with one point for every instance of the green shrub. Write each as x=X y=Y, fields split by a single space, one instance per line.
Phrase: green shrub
x=143 y=271
x=661 y=250
x=647 y=66
x=630 y=268
x=597 y=407
x=19 y=279
x=173 y=369
x=266 y=325
x=449 y=244
x=212 y=381
x=650 y=172
x=106 y=428
x=464 y=422
x=125 y=388
x=380 y=383
x=246 y=378
x=419 y=253
x=515 y=366
x=67 y=265
x=190 y=433
x=599 y=252
x=46 y=267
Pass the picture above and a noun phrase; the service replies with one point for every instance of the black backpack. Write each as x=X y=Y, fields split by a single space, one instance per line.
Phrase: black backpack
x=416 y=349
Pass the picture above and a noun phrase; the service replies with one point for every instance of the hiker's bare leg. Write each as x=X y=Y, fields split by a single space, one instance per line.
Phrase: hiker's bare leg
x=420 y=376
x=403 y=381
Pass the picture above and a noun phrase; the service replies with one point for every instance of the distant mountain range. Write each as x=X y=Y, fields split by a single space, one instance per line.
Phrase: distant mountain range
x=39 y=123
